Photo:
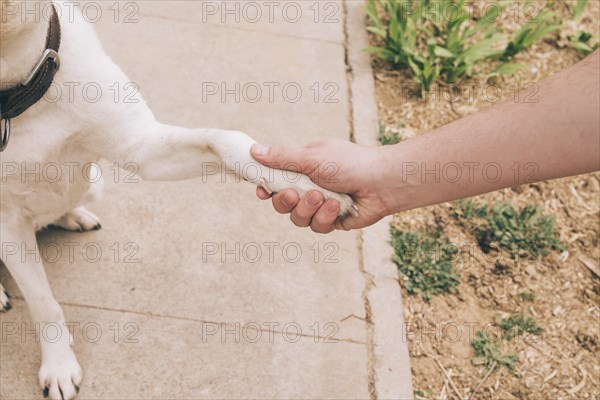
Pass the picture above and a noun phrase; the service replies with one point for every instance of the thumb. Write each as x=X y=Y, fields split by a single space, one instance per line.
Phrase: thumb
x=292 y=159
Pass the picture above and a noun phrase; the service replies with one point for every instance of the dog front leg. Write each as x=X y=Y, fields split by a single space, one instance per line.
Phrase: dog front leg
x=60 y=373
x=172 y=153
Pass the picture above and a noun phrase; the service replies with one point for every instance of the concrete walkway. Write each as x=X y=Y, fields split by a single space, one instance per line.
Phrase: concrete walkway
x=197 y=289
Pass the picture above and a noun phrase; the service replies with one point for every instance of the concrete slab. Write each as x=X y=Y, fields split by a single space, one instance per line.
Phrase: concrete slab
x=174 y=260
x=316 y=20
x=389 y=361
x=134 y=356
x=174 y=256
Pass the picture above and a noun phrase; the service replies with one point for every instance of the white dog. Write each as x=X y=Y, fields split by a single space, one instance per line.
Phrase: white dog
x=68 y=133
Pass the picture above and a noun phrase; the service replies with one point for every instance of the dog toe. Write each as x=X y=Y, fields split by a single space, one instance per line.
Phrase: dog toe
x=79 y=220
x=4 y=300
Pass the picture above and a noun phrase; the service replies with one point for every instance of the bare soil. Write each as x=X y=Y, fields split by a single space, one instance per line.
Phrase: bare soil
x=562 y=362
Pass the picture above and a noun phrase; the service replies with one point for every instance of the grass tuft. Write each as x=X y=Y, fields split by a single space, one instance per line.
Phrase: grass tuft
x=517 y=324
x=424 y=259
x=488 y=352
x=525 y=233
x=526 y=296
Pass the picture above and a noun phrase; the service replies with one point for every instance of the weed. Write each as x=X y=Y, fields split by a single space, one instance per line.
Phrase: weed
x=526 y=296
x=425 y=261
x=488 y=352
x=420 y=36
x=582 y=40
x=578 y=10
x=517 y=324
x=533 y=31
x=516 y=231
x=387 y=137
x=467 y=209
x=507 y=228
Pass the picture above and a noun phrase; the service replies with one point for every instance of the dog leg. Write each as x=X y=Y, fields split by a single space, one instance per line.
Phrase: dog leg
x=4 y=303
x=172 y=153
x=60 y=373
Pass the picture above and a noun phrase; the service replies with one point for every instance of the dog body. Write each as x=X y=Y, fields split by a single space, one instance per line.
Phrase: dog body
x=48 y=165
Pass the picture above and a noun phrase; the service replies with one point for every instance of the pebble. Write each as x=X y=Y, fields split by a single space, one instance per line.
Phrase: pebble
x=531 y=271
x=558 y=310
x=593 y=184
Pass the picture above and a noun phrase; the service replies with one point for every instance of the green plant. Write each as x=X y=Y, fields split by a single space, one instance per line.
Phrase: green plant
x=419 y=394
x=399 y=32
x=581 y=40
x=420 y=36
x=423 y=37
x=424 y=259
x=534 y=30
x=517 y=324
x=488 y=352
x=578 y=10
x=515 y=230
x=468 y=210
x=453 y=38
x=388 y=137
x=526 y=296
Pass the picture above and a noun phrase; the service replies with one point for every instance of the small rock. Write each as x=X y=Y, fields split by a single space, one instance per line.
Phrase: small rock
x=529 y=381
x=593 y=184
x=518 y=189
x=591 y=264
x=407 y=133
x=531 y=271
x=558 y=310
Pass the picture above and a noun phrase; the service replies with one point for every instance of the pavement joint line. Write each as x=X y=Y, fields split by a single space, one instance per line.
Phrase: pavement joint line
x=349 y=73
x=187 y=319
x=245 y=30
x=391 y=374
x=368 y=278
x=369 y=325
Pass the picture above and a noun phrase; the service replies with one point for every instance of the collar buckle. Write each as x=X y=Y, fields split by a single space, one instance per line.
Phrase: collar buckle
x=48 y=54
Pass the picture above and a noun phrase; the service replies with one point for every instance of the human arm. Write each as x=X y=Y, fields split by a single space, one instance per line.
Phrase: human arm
x=504 y=145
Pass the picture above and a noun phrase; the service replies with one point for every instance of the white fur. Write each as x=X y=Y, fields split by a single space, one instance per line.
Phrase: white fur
x=81 y=132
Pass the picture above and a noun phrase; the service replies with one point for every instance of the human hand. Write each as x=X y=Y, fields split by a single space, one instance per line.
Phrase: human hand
x=337 y=165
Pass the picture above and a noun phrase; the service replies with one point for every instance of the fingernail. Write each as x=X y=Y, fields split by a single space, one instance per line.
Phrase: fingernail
x=313 y=199
x=333 y=207
x=260 y=150
x=285 y=200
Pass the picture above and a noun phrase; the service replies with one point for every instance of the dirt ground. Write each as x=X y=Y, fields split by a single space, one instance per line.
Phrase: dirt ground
x=562 y=362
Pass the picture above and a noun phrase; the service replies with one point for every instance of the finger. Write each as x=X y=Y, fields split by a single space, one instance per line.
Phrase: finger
x=262 y=193
x=285 y=201
x=364 y=219
x=324 y=220
x=307 y=207
x=292 y=159
x=344 y=224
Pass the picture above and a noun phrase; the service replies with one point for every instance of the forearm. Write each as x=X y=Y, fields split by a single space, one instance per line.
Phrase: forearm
x=505 y=145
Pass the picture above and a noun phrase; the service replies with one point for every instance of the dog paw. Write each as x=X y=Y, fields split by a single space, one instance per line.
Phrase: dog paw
x=60 y=378
x=78 y=220
x=280 y=180
x=4 y=303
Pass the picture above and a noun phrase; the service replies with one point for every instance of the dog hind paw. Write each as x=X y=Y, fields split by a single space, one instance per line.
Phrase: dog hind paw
x=78 y=220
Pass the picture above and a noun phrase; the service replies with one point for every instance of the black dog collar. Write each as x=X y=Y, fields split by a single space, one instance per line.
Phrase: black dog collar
x=16 y=100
